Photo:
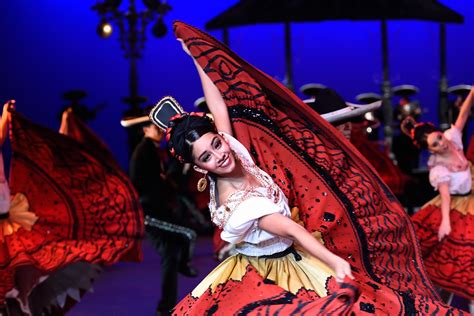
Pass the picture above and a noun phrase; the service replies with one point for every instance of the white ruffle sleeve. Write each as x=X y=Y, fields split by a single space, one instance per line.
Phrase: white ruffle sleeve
x=439 y=174
x=242 y=225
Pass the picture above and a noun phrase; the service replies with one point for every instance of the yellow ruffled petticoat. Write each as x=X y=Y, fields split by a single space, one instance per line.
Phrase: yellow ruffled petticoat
x=287 y=272
x=462 y=204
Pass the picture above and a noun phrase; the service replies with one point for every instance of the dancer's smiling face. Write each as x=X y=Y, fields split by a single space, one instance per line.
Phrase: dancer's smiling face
x=437 y=143
x=212 y=153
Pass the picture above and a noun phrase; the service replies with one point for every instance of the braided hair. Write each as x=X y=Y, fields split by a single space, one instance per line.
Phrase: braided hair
x=182 y=128
x=418 y=132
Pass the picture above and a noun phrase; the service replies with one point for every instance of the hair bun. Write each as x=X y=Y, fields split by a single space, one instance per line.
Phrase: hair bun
x=408 y=126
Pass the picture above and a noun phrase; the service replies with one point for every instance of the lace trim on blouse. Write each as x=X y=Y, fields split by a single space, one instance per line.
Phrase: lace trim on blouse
x=453 y=135
x=221 y=214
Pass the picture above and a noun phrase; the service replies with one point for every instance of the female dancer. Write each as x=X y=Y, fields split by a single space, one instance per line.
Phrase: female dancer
x=238 y=185
x=445 y=225
x=287 y=156
x=14 y=212
x=76 y=207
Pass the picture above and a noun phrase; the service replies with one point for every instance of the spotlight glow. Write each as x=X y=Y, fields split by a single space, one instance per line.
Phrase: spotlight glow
x=107 y=29
x=104 y=29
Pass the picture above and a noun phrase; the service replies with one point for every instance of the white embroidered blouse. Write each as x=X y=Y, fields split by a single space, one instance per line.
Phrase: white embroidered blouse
x=460 y=182
x=239 y=215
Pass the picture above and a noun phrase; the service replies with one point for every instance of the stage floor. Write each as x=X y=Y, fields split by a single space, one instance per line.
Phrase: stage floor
x=133 y=288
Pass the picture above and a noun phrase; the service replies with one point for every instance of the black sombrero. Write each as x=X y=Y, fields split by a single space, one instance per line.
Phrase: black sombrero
x=460 y=90
x=312 y=89
x=335 y=110
x=201 y=104
x=405 y=90
x=368 y=97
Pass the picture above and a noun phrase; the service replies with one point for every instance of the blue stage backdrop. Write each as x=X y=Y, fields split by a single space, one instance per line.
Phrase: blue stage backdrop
x=51 y=46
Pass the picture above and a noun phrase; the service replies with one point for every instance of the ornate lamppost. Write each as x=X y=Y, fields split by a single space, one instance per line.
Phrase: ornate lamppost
x=132 y=25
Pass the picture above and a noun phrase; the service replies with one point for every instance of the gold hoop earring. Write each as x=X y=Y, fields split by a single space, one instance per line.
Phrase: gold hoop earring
x=202 y=184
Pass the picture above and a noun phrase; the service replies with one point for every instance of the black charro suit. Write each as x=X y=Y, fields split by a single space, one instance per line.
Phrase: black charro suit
x=155 y=178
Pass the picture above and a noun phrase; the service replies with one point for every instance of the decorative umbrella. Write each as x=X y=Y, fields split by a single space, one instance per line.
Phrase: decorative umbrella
x=247 y=12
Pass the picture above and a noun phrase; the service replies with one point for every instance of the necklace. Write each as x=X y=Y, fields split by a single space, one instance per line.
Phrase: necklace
x=453 y=159
x=462 y=160
x=221 y=214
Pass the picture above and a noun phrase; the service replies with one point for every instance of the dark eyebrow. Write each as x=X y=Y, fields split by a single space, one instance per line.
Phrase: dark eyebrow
x=212 y=143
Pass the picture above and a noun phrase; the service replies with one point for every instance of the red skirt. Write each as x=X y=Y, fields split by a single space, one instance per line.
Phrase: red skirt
x=244 y=285
x=86 y=207
x=337 y=192
x=449 y=262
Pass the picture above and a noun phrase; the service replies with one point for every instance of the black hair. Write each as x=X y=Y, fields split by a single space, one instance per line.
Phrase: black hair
x=186 y=131
x=418 y=132
x=421 y=133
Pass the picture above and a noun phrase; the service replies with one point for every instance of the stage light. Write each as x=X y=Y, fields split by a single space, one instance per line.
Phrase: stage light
x=130 y=25
x=104 y=29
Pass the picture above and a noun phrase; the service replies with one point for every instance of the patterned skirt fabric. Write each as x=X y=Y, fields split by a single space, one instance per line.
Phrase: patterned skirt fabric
x=251 y=285
x=337 y=192
x=84 y=206
x=295 y=283
x=449 y=262
x=291 y=272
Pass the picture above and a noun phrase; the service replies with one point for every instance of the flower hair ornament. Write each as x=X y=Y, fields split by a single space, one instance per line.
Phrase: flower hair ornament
x=409 y=127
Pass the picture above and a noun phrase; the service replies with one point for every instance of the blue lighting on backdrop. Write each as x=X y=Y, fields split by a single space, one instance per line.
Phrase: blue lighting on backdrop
x=51 y=46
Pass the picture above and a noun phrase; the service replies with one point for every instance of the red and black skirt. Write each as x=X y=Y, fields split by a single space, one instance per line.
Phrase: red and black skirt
x=83 y=208
x=337 y=192
x=449 y=262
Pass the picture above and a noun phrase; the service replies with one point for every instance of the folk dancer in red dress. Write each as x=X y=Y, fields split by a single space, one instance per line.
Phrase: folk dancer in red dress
x=269 y=152
x=72 y=210
x=445 y=225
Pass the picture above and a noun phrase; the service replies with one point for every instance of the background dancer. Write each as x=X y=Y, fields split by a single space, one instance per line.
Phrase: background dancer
x=157 y=180
x=339 y=196
x=445 y=225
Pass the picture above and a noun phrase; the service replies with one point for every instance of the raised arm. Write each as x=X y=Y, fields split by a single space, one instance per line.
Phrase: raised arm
x=63 y=129
x=465 y=110
x=215 y=102
x=4 y=120
x=283 y=226
x=214 y=99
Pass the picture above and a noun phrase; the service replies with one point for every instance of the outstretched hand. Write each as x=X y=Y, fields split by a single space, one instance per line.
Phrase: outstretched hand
x=342 y=269
x=444 y=230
